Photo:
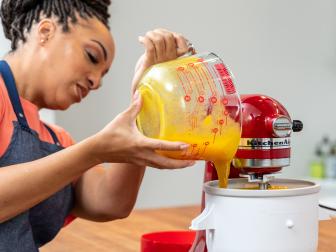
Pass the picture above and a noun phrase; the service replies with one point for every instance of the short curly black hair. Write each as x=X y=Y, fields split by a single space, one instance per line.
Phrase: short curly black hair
x=18 y=16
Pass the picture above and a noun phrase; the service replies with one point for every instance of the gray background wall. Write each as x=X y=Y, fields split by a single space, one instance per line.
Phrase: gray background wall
x=285 y=49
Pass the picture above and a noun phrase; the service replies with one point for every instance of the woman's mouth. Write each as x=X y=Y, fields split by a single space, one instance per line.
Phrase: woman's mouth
x=80 y=92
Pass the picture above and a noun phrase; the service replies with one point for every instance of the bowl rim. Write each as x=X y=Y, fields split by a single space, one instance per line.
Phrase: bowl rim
x=304 y=187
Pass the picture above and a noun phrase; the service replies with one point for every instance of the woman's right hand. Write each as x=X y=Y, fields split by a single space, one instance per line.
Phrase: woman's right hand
x=121 y=142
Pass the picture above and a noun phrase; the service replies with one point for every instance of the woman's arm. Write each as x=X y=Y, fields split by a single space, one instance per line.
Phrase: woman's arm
x=104 y=194
x=24 y=185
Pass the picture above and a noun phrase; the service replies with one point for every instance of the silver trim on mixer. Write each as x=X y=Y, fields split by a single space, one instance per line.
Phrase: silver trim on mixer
x=264 y=143
x=261 y=163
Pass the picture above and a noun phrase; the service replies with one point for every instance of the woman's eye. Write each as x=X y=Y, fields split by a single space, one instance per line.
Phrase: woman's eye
x=92 y=58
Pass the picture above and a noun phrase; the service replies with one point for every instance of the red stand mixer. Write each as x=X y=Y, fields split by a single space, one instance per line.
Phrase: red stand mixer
x=263 y=150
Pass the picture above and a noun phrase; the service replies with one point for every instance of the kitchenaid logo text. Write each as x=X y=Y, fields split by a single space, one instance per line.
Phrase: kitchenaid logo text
x=264 y=143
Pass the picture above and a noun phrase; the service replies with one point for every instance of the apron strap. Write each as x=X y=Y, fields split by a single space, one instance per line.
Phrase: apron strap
x=13 y=94
x=53 y=135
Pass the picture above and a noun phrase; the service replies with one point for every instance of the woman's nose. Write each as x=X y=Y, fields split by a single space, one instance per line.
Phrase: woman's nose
x=94 y=82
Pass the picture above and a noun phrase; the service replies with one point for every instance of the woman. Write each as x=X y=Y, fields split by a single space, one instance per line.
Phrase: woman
x=60 y=51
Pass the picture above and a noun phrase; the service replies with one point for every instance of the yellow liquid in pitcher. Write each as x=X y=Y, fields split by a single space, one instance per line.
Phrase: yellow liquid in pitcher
x=212 y=136
x=220 y=153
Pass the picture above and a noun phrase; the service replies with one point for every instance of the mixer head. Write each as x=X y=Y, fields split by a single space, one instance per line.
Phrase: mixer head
x=265 y=143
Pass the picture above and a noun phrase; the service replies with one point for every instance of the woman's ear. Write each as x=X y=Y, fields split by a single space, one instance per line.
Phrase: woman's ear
x=46 y=30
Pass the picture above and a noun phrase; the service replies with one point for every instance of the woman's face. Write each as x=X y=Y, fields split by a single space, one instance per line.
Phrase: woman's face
x=73 y=63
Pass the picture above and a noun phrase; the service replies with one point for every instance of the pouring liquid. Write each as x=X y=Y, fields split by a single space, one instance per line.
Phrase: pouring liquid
x=223 y=172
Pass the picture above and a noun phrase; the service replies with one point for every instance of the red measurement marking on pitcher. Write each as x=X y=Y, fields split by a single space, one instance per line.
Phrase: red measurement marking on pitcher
x=182 y=74
x=212 y=89
x=220 y=122
x=195 y=84
x=211 y=78
x=214 y=131
x=225 y=78
x=225 y=101
x=199 y=78
x=226 y=113
x=205 y=144
x=213 y=99
x=189 y=82
x=180 y=70
x=200 y=99
x=193 y=122
x=187 y=98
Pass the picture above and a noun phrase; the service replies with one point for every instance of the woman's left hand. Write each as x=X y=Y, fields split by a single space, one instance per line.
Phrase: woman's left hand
x=160 y=45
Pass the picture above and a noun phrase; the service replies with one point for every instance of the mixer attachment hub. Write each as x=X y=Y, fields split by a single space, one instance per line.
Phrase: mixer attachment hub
x=262 y=179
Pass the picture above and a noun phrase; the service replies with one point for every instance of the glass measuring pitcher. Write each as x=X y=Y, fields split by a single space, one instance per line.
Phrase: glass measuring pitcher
x=192 y=99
